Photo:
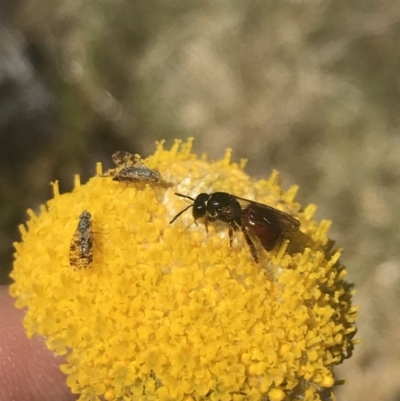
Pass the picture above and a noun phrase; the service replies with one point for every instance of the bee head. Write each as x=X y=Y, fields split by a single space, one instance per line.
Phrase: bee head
x=199 y=206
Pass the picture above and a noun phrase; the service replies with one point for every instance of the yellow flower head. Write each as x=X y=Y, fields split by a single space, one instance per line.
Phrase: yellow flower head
x=159 y=311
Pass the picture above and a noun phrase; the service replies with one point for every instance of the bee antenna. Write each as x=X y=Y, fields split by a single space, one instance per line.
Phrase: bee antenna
x=184 y=196
x=182 y=211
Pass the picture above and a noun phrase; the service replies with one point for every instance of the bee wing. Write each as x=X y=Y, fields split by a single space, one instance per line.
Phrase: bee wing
x=266 y=222
x=122 y=158
x=264 y=215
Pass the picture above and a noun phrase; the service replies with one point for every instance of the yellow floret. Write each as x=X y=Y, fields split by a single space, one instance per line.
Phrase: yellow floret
x=170 y=312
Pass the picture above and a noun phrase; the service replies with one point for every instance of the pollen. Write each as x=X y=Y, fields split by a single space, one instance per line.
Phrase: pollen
x=173 y=312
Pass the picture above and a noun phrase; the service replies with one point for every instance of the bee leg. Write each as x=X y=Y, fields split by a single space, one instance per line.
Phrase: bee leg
x=250 y=244
x=231 y=229
x=206 y=224
x=206 y=220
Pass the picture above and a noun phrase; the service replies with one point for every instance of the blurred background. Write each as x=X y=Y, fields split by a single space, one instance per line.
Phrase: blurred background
x=309 y=87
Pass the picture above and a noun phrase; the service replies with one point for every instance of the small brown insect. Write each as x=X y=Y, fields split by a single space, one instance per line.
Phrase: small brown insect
x=137 y=174
x=81 y=248
x=125 y=159
x=132 y=169
x=252 y=218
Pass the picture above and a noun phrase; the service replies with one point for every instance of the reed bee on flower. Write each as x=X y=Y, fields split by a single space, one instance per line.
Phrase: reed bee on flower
x=252 y=218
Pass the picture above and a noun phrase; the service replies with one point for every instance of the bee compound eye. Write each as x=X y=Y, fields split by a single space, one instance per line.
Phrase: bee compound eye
x=199 y=211
x=200 y=206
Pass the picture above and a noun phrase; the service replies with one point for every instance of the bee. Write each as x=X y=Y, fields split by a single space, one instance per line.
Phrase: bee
x=252 y=218
x=130 y=168
x=81 y=248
